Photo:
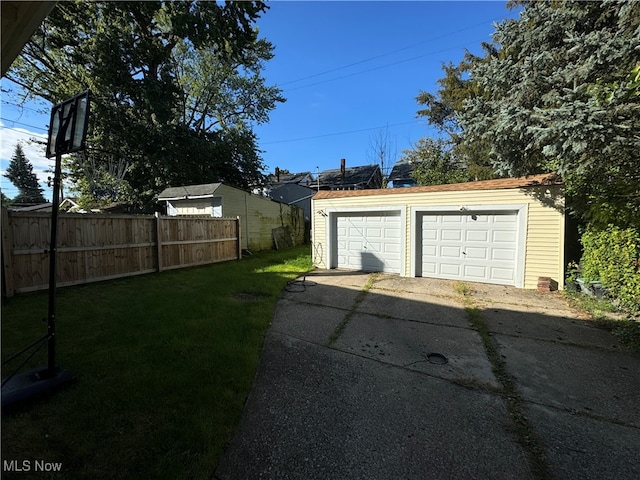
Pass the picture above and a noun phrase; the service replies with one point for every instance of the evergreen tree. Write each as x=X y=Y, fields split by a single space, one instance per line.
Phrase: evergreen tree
x=558 y=89
x=557 y=92
x=20 y=173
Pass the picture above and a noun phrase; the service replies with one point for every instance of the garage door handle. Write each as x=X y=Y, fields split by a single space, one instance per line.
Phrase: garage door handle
x=464 y=253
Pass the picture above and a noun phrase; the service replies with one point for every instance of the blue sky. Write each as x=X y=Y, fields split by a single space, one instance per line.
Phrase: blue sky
x=350 y=71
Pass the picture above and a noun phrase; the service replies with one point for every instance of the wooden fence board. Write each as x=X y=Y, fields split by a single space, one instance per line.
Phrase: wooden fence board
x=94 y=248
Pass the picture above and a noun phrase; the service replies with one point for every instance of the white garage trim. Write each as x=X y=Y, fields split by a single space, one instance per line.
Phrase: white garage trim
x=520 y=210
x=331 y=225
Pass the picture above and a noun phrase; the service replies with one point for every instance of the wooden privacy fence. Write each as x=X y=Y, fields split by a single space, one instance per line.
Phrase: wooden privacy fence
x=92 y=248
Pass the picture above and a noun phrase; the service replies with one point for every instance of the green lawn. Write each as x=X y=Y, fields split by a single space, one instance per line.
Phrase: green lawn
x=163 y=365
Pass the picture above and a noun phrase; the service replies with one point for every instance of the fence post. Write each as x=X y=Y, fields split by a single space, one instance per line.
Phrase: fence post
x=7 y=253
x=158 y=242
x=239 y=238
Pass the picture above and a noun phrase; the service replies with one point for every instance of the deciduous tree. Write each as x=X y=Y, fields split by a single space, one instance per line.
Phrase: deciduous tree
x=442 y=110
x=382 y=152
x=176 y=87
x=434 y=164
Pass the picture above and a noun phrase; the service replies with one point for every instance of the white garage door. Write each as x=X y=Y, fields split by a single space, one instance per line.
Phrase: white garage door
x=368 y=242
x=475 y=247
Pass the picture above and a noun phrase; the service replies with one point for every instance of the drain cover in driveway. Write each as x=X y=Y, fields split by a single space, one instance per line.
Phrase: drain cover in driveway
x=437 y=358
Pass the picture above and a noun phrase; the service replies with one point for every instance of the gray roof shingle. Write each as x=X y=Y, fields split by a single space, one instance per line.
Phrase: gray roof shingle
x=353 y=176
x=189 y=191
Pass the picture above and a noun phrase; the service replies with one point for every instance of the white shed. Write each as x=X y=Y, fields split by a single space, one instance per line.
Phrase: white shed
x=507 y=231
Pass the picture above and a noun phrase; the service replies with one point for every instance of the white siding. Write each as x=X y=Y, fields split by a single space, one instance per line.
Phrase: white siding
x=190 y=207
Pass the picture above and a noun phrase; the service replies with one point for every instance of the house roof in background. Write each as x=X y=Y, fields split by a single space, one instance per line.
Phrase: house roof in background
x=290 y=177
x=401 y=171
x=352 y=175
x=190 y=191
x=30 y=207
x=498 y=184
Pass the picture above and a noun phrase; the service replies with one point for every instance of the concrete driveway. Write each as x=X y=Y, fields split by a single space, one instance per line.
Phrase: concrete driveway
x=353 y=384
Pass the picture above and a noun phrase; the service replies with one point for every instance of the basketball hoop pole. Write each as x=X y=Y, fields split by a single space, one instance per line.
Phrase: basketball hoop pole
x=67 y=133
x=51 y=311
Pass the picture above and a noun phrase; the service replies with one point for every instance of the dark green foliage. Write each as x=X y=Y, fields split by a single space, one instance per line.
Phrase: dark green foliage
x=442 y=111
x=434 y=164
x=175 y=89
x=612 y=256
x=5 y=200
x=557 y=93
x=20 y=172
x=557 y=90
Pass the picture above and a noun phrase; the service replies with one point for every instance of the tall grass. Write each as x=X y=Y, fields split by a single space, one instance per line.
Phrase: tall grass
x=163 y=365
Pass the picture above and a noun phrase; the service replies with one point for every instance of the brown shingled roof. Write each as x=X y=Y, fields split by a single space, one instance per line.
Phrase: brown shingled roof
x=498 y=184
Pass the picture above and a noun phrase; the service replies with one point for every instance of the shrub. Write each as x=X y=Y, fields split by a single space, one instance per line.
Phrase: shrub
x=612 y=256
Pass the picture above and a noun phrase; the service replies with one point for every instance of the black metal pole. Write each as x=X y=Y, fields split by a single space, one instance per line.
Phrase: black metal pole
x=51 y=316
x=20 y=387
x=53 y=244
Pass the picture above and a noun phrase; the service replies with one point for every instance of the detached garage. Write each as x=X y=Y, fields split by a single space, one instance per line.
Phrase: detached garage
x=506 y=231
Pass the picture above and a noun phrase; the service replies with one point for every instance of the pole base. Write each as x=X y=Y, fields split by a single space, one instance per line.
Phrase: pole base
x=32 y=384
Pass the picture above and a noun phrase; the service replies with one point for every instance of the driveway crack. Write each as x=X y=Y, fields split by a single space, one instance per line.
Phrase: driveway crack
x=358 y=300
x=526 y=435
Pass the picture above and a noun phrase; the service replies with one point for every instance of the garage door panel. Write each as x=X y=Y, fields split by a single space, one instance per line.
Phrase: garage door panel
x=475 y=272
x=392 y=248
x=470 y=246
x=368 y=242
x=451 y=235
x=450 y=269
x=503 y=218
x=501 y=236
x=373 y=233
x=503 y=254
x=450 y=252
x=429 y=251
x=479 y=219
x=505 y=274
x=373 y=247
x=477 y=253
x=430 y=268
x=430 y=234
x=392 y=233
x=476 y=236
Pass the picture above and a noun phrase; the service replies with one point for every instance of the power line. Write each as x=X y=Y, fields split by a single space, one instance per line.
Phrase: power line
x=389 y=53
x=336 y=133
x=24 y=124
x=23 y=107
x=376 y=68
x=22 y=131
